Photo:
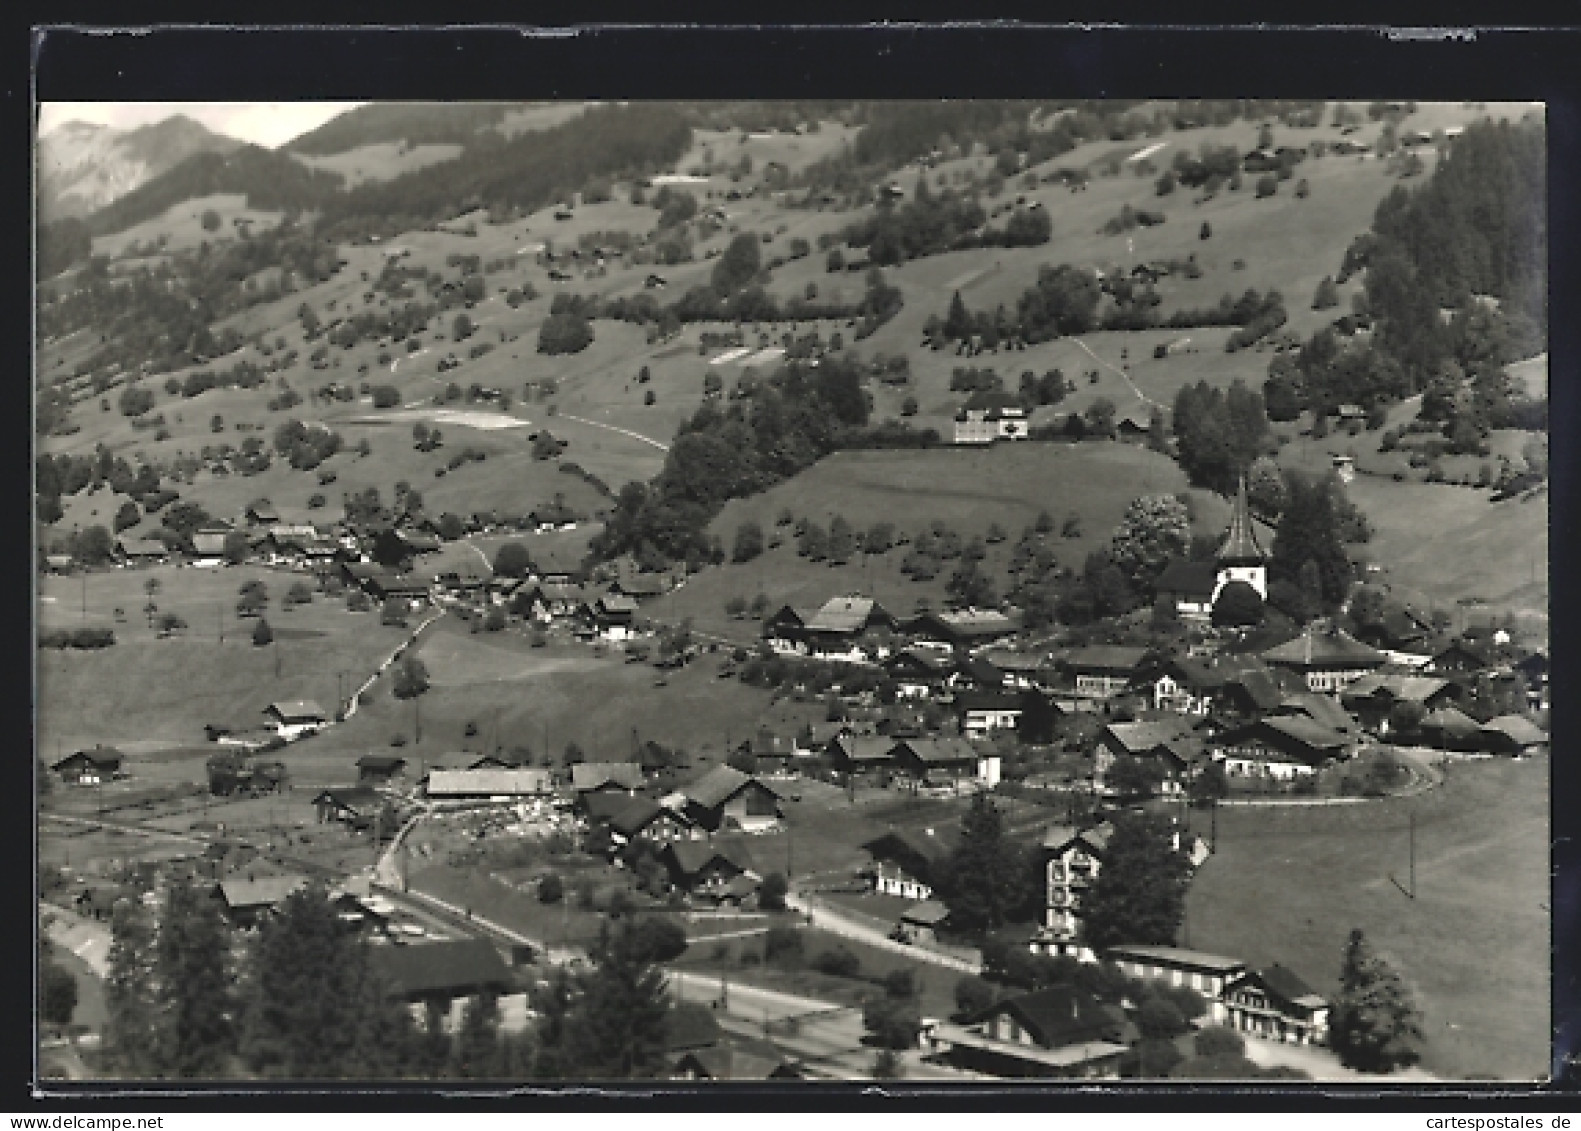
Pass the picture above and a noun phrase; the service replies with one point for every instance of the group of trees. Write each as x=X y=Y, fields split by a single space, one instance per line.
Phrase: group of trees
x=306 y=446
x=1218 y=433
x=929 y=224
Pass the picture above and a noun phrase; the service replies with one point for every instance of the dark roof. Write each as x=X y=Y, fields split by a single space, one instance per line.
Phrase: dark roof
x=690 y=1025
x=1285 y=982
x=592 y=775
x=102 y=756
x=1105 y=657
x=846 y=614
x=601 y=807
x=720 y=784
x=357 y=798
x=634 y=814
x=692 y=856
x=1188 y=579
x=1331 y=648
x=739 y=1057
x=298 y=709
x=991 y=399
x=1056 y=1016
x=933 y=662
x=391 y=762
x=939 y=751
x=455 y=967
x=1261 y=687
x=899 y=843
x=988 y=699
x=1321 y=709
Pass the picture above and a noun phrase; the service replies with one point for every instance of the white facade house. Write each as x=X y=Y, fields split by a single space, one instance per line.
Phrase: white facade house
x=988 y=416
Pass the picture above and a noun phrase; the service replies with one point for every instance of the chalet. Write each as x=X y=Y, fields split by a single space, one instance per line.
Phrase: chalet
x=588 y=778
x=142 y=551
x=1398 y=629
x=978 y=673
x=466 y=579
x=1072 y=860
x=382 y=584
x=379 y=769
x=1276 y=1005
x=903 y=861
x=418 y=541
x=1329 y=661
x=209 y=543
x=1460 y=658
x=1250 y=692
x=918 y=673
x=247 y=901
x=725 y=797
x=857 y=755
x=1019 y=671
x=964 y=629
x=356 y=806
x=655 y=282
x=448 y=974
x=261 y=512
x=1373 y=698
x=550 y=600
x=981 y=712
x=1208 y=974
x=919 y=923
x=478 y=785
x=1165 y=745
x=989 y=415
x=640 y=819
x=641 y=586
x=1102 y=670
x=1510 y=734
x=1132 y=424
x=89 y=767
x=293 y=718
x=1183 y=686
x=703 y=868
x=944 y=762
x=1282 y=748
x=837 y=630
x=770 y=753
x=1057 y=1032
x=1448 y=728
x=1190 y=587
x=611 y=616
x=552 y=516
x=737 y=1057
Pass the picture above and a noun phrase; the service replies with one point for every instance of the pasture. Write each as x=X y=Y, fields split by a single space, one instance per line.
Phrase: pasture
x=1288 y=886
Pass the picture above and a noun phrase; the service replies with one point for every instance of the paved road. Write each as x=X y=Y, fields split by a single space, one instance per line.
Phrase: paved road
x=86 y=939
x=846 y=927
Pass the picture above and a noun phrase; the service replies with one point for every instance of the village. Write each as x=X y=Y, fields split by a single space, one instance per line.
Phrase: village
x=838 y=592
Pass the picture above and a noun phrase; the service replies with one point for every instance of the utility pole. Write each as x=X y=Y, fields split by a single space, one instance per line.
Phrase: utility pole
x=1413 y=853
x=85 y=597
x=417 y=719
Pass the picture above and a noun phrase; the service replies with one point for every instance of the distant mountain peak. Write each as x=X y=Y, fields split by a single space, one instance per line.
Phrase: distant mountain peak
x=83 y=166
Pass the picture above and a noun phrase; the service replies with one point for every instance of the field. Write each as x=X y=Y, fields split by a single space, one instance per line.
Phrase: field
x=969 y=489
x=1288 y=886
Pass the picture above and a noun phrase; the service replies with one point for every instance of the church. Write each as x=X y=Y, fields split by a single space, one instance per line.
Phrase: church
x=1195 y=587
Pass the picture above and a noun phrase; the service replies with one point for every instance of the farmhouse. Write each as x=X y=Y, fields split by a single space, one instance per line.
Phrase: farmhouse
x=1102 y=671
x=989 y=415
x=638 y=818
x=606 y=777
x=725 y=797
x=1183 y=686
x=1448 y=728
x=983 y=711
x=261 y=512
x=382 y=584
x=1252 y=691
x=703 y=868
x=247 y=901
x=1373 y=698
x=1165 y=745
x=209 y=542
x=919 y=923
x=1189 y=586
x=473 y=785
x=918 y=673
x=356 y=806
x=1058 y=1032
x=736 y=1057
x=641 y=586
x=1277 y=1005
x=295 y=717
x=1329 y=661
x=837 y=630
x=89 y=767
x=611 y=616
x=550 y=600
x=1320 y=709
x=856 y=755
x=1073 y=859
x=1460 y=658
x=964 y=629
x=903 y=861
x=1282 y=748
x=1510 y=734
x=944 y=762
x=1020 y=671
x=1208 y=974
x=379 y=769
x=447 y=973
x=142 y=551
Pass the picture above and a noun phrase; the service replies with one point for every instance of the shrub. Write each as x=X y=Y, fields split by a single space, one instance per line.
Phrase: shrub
x=783 y=945
x=839 y=962
x=386 y=396
x=550 y=889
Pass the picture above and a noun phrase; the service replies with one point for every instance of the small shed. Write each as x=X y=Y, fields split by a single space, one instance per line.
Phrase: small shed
x=89 y=767
x=919 y=923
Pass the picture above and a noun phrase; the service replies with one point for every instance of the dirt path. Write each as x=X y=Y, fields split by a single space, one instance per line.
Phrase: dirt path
x=622 y=431
x=1124 y=376
x=838 y=924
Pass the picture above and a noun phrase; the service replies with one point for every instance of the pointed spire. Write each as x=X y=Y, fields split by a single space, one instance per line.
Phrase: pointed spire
x=1240 y=543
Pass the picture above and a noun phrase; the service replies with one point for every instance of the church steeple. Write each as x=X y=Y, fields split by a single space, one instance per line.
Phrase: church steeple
x=1240 y=543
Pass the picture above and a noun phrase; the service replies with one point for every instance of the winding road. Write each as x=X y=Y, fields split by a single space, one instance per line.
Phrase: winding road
x=623 y=431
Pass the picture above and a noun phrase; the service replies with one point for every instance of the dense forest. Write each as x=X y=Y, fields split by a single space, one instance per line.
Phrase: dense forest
x=415 y=123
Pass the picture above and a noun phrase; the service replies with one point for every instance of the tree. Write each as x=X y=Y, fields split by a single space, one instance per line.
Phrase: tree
x=57 y=999
x=512 y=560
x=887 y=1066
x=973 y=994
x=1375 y=1025
x=550 y=889
x=749 y=542
x=1205 y=232
x=1209 y=784
x=771 y=896
x=1308 y=535
x=1327 y=295
x=129 y=992
x=128 y=516
x=477 y=1047
x=262 y=633
x=984 y=881
x=1134 y=779
x=1156 y=529
x=411 y=678
x=1267 y=185
x=616 y=1027
x=211 y=220
x=1238 y=606
x=739 y=264
x=1266 y=491
x=193 y=996
x=1139 y=894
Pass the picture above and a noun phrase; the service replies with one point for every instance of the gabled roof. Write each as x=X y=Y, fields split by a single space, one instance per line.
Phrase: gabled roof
x=1306 y=731
x=592 y=775
x=908 y=842
x=863 y=747
x=991 y=400
x=935 y=662
x=692 y=856
x=939 y=750
x=739 y=1057
x=1285 y=983
x=1144 y=738
x=1056 y=1017
x=719 y=785
x=1412 y=688
x=1518 y=728
x=264 y=891
x=1260 y=685
x=470 y=783
x=603 y=806
x=391 y=762
x=1321 y=709
x=453 y=967
x=1450 y=719
x=988 y=699
x=1060 y=836
x=1332 y=648
x=357 y=798
x=107 y=757
x=209 y=542
x=303 y=709
x=1178 y=957
x=634 y=814
x=1104 y=657
x=615 y=603
x=845 y=614
x=142 y=547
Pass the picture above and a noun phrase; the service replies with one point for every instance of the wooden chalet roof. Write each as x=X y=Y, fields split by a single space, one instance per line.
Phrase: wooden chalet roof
x=1450 y=719
x=488 y=783
x=872 y=749
x=1058 y=1017
x=1142 y=738
x=103 y=757
x=1321 y=709
x=633 y=814
x=1516 y=728
x=1395 y=687
x=302 y=710
x=692 y=856
x=593 y=775
x=901 y=844
x=390 y=762
x=246 y=892
x=1285 y=984
x=1188 y=579
x=988 y=699
x=928 y=913
x=1305 y=731
x=739 y=1057
x=1096 y=838
x=846 y=614
x=1178 y=957
x=1111 y=658
x=938 y=751
x=719 y=785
